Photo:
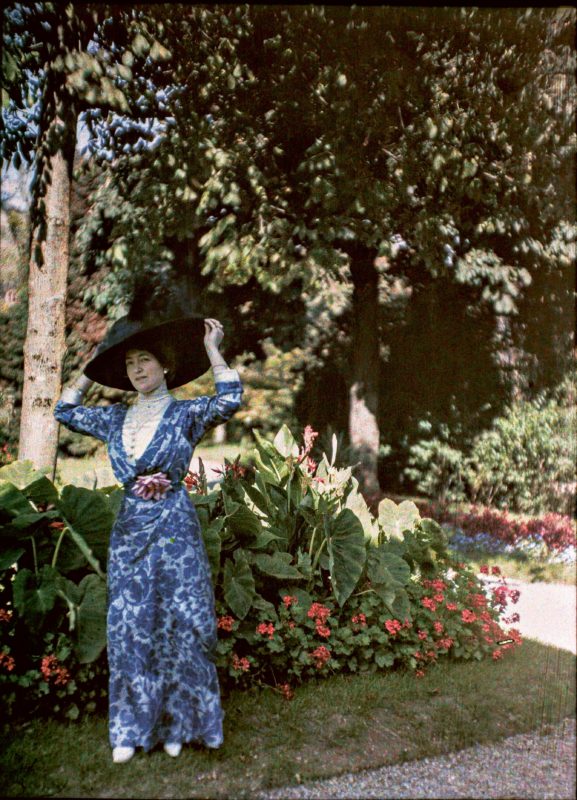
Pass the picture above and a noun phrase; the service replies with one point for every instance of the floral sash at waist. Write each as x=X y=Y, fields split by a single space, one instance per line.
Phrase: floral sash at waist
x=152 y=487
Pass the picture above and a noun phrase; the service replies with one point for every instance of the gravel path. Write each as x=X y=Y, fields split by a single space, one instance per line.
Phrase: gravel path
x=526 y=766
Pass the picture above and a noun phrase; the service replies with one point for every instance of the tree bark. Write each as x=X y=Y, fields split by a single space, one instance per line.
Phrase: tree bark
x=45 y=335
x=364 y=382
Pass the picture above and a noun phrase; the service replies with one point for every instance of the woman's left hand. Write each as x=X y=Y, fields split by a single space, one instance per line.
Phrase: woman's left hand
x=213 y=333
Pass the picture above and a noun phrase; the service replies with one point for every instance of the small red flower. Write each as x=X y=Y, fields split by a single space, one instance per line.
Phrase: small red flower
x=484 y=569
x=7 y=662
x=242 y=664
x=451 y=607
x=438 y=626
x=266 y=629
x=419 y=673
x=287 y=691
x=498 y=653
x=225 y=623
x=318 y=612
x=359 y=619
x=468 y=616
x=321 y=655
x=427 y=602
x=323 y=630
x=289 y=600
x=422 y=635
x=393 y=626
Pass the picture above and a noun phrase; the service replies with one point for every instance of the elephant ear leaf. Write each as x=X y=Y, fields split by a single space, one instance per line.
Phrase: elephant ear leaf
x=346 y=552
x=238 y=584
x=91 y=619
x=394 y=520
x=34 y=595
x=21 y=473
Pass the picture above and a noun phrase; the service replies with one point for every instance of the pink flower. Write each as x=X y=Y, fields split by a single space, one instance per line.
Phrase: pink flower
x=242 y=664
x=318 y=612
x=393 y=626
x=7 y=662
x=266 y=629
x=468 y=616
x=419 y=673
x=151 y=487
x=309 y=436
x=422 y=635
x=323 y=630
x=359 y=619
x=321 y=655
x=225 y=623
x=451 y=606
x=484 y=569
x=427 y=602
x=495 y=571
x=289 y=600
x=438 y=626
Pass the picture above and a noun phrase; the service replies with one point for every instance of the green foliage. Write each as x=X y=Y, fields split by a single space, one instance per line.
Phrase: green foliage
x=52 y=553
x=435 y=465
x=526 y=461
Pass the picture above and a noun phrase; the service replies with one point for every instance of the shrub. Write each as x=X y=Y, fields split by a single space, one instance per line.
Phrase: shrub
x=526 y=462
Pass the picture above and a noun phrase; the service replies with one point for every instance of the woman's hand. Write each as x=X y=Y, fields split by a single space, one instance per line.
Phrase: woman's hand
x=213 y=334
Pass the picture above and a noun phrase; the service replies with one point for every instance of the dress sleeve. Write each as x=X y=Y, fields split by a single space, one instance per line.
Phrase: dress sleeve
x=93 y=421
x=206 y=412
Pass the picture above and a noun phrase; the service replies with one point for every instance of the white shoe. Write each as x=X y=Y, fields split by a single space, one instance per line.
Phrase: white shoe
x=120 y=755
x=172 y=749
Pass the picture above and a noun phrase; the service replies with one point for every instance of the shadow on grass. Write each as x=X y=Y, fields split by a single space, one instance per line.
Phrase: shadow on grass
x=341 y=724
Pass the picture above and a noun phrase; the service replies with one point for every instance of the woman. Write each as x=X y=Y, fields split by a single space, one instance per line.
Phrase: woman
x=161 y=625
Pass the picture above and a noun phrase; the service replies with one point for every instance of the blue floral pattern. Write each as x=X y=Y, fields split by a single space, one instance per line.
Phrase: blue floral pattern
x=161 y=617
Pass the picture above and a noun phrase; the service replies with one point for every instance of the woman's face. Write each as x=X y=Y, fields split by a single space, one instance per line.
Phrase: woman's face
x=145 y=372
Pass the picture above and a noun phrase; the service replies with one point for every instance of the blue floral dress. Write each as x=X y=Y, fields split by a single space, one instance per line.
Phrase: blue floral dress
x=161 y=618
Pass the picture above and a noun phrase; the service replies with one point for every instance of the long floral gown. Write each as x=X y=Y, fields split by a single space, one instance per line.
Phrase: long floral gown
x=161 y=624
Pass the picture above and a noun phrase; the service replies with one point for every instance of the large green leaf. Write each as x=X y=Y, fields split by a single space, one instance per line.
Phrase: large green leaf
x=241 y=521
x=386 y=568
x=238 y=584
x=285 y=443
x=34 y=596
x=89 y=518
x=213 y=542
x=91 y=619
x=42 y=490
x=346 y=551
x=13 y=501
x=256 y=496
x=21 y=473
x=358 y=505
x=395 y=519
x=278 y=565
x=10 y=556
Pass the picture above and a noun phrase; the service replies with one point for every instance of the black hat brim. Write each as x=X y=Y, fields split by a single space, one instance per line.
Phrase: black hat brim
x=183 y=337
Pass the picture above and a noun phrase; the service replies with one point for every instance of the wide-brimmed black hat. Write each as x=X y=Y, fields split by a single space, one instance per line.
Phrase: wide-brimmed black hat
x=180 y=338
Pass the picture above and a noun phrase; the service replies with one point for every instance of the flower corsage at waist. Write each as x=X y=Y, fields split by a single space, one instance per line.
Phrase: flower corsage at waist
x=152 y=487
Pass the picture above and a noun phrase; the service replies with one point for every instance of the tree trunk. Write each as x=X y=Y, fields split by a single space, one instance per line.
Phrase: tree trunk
x=45 y=335
x=364 y=381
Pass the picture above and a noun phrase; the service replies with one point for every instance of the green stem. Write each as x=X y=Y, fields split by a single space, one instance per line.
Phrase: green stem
x=57 y=548
x=318 y=555
x=34 y=556
x=312 y=541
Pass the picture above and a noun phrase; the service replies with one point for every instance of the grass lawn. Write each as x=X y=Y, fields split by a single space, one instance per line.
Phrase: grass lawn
x=341 y=724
